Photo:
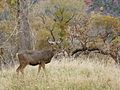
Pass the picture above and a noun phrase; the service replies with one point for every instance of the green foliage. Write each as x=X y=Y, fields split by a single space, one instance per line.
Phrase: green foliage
x=116 y=41
x=107 y=22
x=110 y=26
x=11 y=2
x=42 y=37
x=61 y=13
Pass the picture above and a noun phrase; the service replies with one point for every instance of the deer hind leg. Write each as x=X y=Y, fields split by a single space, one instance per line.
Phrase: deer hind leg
x=18 y=69
x=21 y=68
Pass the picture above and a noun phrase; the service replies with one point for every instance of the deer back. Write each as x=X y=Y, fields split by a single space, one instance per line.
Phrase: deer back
x=36 y=57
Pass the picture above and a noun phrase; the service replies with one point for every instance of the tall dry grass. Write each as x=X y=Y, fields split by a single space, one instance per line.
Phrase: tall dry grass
x=65 y=75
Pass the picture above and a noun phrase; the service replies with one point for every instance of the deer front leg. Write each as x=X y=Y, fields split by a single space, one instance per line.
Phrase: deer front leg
x=43 y=65
x=39 y=68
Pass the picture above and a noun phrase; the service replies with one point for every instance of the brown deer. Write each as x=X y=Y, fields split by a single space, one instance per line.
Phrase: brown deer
x=30 y=57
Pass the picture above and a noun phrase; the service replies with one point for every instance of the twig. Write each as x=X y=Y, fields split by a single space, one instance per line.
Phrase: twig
x=9 y=36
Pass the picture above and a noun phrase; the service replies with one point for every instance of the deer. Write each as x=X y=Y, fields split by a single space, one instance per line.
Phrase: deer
x=34 y=57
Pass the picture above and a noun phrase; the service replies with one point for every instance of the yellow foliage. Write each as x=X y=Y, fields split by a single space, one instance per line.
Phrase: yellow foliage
x=107 y=22
x=7 y=27
x=41 y=37
x=116 y=40
x=1 y=5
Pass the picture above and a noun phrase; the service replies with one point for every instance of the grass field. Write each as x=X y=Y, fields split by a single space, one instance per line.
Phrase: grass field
x=65 y=75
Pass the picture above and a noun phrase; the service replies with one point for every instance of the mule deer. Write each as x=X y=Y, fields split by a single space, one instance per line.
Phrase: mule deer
x=30 y=57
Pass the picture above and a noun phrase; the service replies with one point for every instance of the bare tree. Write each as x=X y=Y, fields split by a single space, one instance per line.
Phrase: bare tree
x=24 y=32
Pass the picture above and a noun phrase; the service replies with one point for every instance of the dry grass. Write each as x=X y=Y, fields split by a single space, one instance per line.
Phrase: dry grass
x=65 y=75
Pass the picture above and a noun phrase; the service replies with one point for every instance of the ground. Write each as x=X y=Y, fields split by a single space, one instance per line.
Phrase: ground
x=69 y=74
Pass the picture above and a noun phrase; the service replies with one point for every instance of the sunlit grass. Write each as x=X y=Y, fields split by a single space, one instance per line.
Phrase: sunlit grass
x=65 y=75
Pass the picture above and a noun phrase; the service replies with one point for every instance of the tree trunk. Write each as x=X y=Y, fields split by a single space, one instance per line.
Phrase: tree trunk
x=24 y=32
x=0 y=64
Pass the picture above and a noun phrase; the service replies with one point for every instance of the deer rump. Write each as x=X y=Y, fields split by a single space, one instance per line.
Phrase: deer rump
x=35 y=57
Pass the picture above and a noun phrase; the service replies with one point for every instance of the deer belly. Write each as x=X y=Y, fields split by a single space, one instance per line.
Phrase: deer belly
x=33 y=63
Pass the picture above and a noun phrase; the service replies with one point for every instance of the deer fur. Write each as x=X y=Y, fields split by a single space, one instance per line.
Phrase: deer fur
x=29 y=57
